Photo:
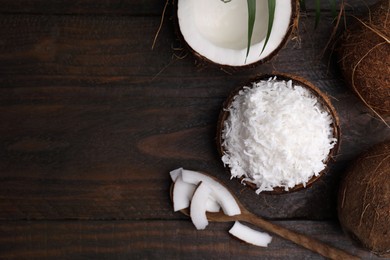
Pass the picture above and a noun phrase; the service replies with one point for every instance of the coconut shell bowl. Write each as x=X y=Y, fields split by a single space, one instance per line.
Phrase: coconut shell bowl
x=325 y=104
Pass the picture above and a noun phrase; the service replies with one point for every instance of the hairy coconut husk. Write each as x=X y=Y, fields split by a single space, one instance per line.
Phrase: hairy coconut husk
x=323 y=99
x=364 y=57
x=364 y=200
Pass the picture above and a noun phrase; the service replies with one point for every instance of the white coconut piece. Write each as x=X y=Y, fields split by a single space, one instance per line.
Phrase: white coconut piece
x=182 y=194
x=198 y=206
x=221 y=194
x=218 y=30
x=249 y=235
x=175 y=173
x=212 y=205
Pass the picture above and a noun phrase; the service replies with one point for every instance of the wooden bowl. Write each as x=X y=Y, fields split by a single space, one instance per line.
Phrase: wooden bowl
x=322 y=98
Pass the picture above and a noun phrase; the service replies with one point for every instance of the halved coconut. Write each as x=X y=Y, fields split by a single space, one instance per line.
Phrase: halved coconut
x=217 y=31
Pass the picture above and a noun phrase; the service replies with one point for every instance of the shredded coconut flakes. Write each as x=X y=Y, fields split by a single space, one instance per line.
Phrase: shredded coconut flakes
x=276 y=135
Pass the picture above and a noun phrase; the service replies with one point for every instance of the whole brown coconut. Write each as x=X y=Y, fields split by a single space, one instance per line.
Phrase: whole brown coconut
x=365 y=58
x=364 y=200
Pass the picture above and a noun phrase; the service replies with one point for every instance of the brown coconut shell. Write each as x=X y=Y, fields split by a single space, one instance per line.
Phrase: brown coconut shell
x=364 y=200
x=364 y=58
x=203 y=61
x=322 y=98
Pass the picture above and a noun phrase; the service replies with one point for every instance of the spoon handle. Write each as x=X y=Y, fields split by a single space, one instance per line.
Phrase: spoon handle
x=300 y=239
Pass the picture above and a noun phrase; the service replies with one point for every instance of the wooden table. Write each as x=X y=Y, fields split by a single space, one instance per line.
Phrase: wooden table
x=93 y=120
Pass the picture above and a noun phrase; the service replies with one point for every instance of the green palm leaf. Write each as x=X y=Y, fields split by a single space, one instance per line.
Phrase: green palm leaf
x=333 y=8
x=271 y=15
x=251 y=22
x=252 y=18
x=318 y=12
x=302 y=4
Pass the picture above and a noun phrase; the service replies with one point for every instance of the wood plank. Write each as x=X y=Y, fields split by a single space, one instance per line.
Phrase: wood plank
x=155 y=239
x=85 y=7
x=350 y=6
x=93 y=119
x=134 y=7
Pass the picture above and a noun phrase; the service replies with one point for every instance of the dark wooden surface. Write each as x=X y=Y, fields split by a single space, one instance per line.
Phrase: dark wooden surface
x=92 y=121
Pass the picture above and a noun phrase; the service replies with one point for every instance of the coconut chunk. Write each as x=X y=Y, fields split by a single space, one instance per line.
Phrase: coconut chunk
x=221 y=194
x=175 y=173
x=198 y=206
x=249 y=235
x=182 y=194
x=212 y=205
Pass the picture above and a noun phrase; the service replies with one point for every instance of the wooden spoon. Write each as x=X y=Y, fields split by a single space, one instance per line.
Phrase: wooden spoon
x=300 y=239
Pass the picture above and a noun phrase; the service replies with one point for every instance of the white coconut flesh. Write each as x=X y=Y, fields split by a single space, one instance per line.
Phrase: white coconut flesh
x=212 y=205
x=198 y=206
x=218 y=31
x=204 y=198
x=249 y=235
x=183 y=192
x=221 y=194
x=175 y=174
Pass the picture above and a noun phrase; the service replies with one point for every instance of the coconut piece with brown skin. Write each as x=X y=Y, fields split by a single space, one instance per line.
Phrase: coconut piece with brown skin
x=364 y=57
x=364 y=200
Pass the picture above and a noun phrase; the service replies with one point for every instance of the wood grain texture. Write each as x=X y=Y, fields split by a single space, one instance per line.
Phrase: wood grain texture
x=93 y=119
x=118 y=7
x=155 y=239
x=106 y=7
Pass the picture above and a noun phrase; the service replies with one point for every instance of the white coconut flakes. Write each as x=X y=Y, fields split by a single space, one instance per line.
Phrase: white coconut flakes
x=276 y=135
